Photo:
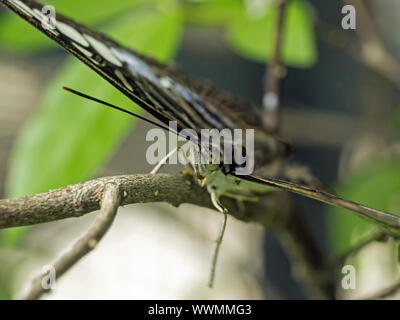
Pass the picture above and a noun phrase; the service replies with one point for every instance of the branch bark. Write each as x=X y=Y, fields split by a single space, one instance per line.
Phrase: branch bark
x=373 y=51
x=273 y=210
x=370 y=50
x=109 y=206
x=79 y=199
x=377 y=236
x=275 y=71
x=385 y=293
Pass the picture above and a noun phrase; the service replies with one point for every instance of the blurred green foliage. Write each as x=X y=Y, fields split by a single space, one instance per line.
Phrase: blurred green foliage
x=68 y=140
x=212 y=13
x=11 y=262
x=249 y=32
x=19 y=37
x=250 y=29
x=396 y=119
x=377 y=185
x=79 y=138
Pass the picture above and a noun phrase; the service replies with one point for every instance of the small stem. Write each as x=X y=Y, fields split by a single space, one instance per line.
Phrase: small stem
x=308 y=264
x=275 y=71
x=378 y=236
x=385 y=293
x=109 y=207
x=217 y=248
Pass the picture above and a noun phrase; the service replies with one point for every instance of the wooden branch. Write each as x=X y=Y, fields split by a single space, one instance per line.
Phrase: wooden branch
x=376 y=236
x=79 y=199
x=275 y=71
x=385 y=293
x=301 y=247
x=370 y=50
x=373 y=52
x=109 y=206
x=273 y=210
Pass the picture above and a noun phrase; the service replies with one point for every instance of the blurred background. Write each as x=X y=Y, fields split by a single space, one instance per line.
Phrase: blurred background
x=340 y=110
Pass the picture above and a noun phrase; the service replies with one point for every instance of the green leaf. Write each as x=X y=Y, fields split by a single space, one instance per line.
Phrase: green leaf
x=211 y=12
x=19 y=36
x=253 y=36
x=10 y=238
x=376 y=186
x=68 y=139
x=10 y=264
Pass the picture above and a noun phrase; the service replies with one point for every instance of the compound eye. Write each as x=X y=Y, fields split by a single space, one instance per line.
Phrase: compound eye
x=226 y=168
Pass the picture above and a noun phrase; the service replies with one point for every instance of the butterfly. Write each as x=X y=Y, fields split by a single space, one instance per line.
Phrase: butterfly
x=169 y=95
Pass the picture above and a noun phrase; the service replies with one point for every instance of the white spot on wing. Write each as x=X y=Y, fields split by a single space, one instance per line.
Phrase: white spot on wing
x=72 y=33
x=103 y=50
x=23 y=7
x=166 y=82
x=136 y=65
x=123 y=79
x=94 y=61
x=87 y=53
x=271 y=101
x=55 y=32
x=39 y=15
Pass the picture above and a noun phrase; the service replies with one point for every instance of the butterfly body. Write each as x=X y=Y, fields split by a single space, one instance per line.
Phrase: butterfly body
x=169 y=95
x=231 y=186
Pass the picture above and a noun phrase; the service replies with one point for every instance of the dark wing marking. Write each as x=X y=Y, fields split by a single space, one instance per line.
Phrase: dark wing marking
x=383 y=218
x=161 y=90
x=171 y=96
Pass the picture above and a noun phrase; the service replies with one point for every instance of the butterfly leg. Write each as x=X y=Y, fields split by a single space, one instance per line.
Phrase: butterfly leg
x=217 y=204
x=163 y=161
x=189 y=168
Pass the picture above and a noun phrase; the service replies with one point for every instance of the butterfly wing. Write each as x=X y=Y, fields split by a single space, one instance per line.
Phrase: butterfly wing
x=169 y=95
x=160 y=89
x=380 y=217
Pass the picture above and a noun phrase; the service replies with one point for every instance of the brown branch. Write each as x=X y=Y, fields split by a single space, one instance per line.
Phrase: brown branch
x=385 y=293
x=79 y=199
x=109 y=206
x=301 y=248
x=76 y=200
x=371 y=51
x=377 y=236
x=275 y=71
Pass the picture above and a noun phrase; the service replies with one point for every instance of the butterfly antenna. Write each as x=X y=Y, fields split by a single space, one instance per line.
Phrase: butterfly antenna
x=119 y=108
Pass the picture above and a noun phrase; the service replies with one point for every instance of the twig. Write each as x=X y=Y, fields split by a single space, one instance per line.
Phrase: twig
x=385 y=293
x=378 y=236
x=216 y=251
x=109 y=206
x=308 y=265
x=307 y=261
x=275 y=71
x=372 y=51
x=82 y=198
x=79 y=199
